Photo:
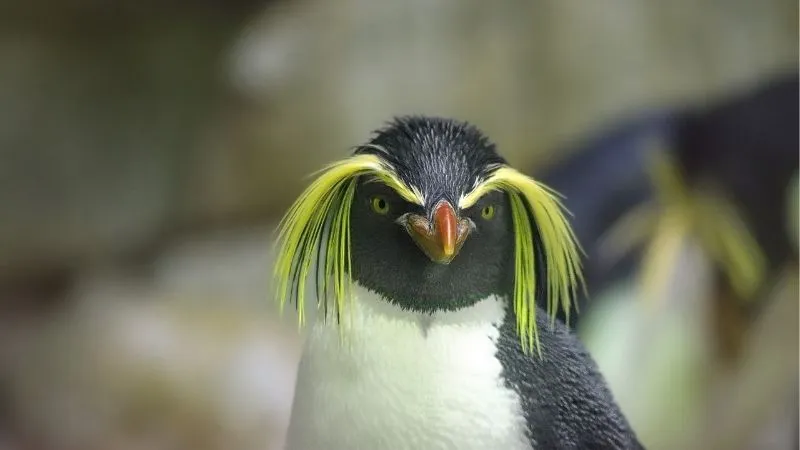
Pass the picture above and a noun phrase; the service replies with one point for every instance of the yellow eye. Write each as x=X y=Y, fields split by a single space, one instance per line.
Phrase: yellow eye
x=487 y=212
x=379 y=205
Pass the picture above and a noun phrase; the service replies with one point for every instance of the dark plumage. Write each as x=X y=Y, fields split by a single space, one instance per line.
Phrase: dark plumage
x=566 y=402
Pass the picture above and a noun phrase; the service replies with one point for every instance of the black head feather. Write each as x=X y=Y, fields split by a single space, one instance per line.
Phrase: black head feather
x=442 y=157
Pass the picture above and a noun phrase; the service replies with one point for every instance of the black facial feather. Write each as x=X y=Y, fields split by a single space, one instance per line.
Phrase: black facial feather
x=387 y=261
x=444 y=159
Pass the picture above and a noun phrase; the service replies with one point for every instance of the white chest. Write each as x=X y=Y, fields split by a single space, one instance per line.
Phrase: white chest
x=399 y=381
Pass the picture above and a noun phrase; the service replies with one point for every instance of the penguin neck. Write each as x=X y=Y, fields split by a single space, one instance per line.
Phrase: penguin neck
x=370 y=309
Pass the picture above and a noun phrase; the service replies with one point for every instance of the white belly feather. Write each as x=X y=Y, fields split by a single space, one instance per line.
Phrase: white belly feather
x=399 y=381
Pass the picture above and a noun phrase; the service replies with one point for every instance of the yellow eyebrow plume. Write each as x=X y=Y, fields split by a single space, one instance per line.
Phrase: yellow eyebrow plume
x=316 y=229
x=533 y=204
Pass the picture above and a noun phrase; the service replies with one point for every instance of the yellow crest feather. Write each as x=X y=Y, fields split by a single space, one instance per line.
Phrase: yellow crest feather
x=316 y=229
x=560 y=249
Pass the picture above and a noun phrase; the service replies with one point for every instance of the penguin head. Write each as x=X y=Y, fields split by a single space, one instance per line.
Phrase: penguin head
x=433 y=253
x=429 y=216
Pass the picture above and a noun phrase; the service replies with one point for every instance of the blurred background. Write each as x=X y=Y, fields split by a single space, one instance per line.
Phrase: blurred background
x=147 y=150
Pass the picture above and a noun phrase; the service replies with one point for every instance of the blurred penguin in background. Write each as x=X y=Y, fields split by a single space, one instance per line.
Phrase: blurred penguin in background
x=723 y=174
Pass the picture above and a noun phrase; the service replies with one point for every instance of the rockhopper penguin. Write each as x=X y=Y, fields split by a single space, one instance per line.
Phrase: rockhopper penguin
x=425 y=254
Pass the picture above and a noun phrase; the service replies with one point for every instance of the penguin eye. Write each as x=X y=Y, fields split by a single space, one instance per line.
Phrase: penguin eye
x=488 y=212
x=379 y=205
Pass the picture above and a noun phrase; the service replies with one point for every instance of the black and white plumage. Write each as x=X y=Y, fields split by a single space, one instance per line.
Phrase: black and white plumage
x=429 y=356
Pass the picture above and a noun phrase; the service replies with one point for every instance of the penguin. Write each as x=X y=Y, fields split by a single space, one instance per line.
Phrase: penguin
x=428 y=255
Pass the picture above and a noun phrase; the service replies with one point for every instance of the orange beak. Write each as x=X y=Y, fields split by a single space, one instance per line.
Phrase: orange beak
x=442 y=239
